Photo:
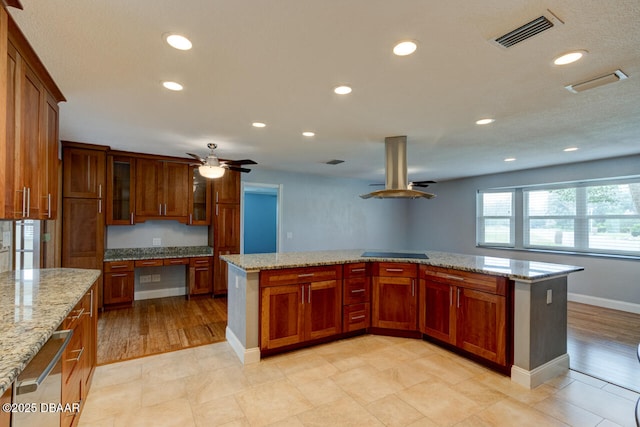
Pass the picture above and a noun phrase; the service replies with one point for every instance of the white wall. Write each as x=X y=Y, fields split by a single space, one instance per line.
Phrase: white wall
x=324 y=213
x=447 y=223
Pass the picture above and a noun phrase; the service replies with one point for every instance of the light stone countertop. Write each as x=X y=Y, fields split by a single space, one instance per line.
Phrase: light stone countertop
x=132 y=254
x=33 y=303
x=528 y=271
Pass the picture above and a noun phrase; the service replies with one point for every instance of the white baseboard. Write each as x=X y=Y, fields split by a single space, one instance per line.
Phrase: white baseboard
x=246 y=356
x=532 y=379
x=604 y=302
x=159 y=293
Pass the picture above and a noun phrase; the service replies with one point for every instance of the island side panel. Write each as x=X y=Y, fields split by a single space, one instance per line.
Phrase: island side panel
x=243 y=296
x=540 y=331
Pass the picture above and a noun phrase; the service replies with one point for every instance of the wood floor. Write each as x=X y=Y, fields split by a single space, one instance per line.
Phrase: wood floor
x=602 y=343
x=160 y=325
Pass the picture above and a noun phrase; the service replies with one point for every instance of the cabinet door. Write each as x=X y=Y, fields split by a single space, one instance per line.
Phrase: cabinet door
x=176 y=189
x=199 y=199
x=220 y=270
x=82 y=233
x=149 y=180
x=200 y=277
x=84 y=173
x=11 y=207
x=50 y=199
x=437 y=311
x=120 y=190
x=481 y=325
x=227 y=188
x=394 y=303
x=118 y=288
x=281 y=316
x=323 y=311
x=227 y=225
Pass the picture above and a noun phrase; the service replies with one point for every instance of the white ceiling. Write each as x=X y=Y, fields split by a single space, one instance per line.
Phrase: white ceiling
x=277 y=62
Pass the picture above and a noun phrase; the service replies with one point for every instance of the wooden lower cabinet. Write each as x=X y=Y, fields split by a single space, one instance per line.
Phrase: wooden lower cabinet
x=118 y=283
x=200 y=276
x=80 y=357
x=356 y=314
x=304 y=310
x=5 y=416
x=394 y=296
x=467 y=310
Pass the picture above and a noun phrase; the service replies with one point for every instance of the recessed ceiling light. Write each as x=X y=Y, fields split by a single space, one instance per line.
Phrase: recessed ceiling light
x=485 y=121
x=308 y=133
x=405 y=48
x=258 y=124
x=172 y=86
x=570 y=57
x=342 y=90
x=510 y=159
x=568 y=149
x=179 y=42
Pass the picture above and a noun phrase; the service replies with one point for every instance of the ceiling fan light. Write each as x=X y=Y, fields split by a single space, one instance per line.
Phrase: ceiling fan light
x=210 y=171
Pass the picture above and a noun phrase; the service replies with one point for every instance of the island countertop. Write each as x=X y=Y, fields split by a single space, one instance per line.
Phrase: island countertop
x=33 y=303
x=528 y=271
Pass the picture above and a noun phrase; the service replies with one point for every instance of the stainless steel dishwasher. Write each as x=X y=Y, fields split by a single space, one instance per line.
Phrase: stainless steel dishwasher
x=38 y=389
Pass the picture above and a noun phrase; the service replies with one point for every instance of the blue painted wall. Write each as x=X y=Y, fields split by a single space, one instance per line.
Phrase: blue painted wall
x=260 y=223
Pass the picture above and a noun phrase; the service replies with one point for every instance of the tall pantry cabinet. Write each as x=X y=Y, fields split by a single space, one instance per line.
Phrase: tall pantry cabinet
x=83 y=207
x=29 y=159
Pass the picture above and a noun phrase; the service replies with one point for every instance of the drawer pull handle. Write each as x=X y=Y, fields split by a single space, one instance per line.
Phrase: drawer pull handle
x=305 y=275
x=394 y=270
x=113 y=267
x=76 y=317
x=119 y=275
x=202 y=261
x=449 y=276
x=357 y=270
x=357 y=317
x=77 y=358
x=148 y=262
x=355 y=291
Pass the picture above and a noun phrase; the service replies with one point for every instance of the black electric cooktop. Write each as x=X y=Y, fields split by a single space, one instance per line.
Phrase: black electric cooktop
x=413 y=255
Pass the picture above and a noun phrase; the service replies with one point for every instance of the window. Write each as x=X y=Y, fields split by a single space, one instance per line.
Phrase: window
x=599 y=217
x=495 y=221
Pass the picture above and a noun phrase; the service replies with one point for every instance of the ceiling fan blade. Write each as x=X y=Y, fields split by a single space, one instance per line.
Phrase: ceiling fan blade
x=422 y=183
x=378 y=184
x=237 y=169
x=239 y=162
x=198 y=158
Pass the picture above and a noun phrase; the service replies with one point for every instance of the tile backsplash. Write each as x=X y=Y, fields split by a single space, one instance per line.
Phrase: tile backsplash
x=6 y=240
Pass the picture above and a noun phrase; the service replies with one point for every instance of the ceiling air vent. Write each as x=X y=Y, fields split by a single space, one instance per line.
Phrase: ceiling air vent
x=616 y=76
x=528 y=30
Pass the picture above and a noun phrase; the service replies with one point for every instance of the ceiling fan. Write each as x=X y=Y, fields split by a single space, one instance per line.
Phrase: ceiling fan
x=212 y=167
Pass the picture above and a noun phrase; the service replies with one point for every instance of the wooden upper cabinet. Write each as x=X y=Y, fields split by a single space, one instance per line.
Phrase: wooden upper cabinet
x=162 y=190
x=227 y=188
x=199 y=199
x=120 y=190
x=29 y=155
x=84 y=173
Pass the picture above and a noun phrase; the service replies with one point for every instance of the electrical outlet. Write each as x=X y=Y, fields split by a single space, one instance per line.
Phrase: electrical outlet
x=157 y=241
x=549 y=296
x=145 y=279
x=155 y=277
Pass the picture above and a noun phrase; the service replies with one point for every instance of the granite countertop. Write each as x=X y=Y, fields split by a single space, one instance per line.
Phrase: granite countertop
x=33 y=304
x=132 y=254
x=530 y=271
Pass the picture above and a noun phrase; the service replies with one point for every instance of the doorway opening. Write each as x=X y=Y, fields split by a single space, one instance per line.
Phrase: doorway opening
x=260 y=218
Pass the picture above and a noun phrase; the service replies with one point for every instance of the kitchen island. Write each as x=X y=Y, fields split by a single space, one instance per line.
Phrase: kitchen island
x=33 y=304
x=537 y=291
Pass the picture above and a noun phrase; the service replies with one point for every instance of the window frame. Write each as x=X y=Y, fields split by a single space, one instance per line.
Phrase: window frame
x=481 y=218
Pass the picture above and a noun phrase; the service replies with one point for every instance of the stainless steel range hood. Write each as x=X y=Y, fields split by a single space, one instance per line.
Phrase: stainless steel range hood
x=396 y=184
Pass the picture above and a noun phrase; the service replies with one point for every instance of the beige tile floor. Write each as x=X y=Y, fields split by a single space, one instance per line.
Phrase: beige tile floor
x=363 y=381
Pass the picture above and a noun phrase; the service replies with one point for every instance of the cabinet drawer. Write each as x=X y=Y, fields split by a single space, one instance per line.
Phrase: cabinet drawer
x=115 y=266
x=175 y=261
x=149 y=263
x=395 y=269
x=356 y=316
x=465 y=279
x=82 y=308
x=72 y=358
x=356 y=290
x=355 y=270
x=200 y=261
x=289 y=276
